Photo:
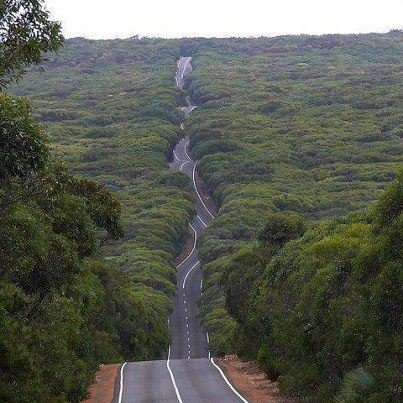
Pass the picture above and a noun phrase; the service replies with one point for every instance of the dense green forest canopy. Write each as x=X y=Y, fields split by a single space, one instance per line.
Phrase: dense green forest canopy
x=58 y=305
x=325 y=306
x=86 y=276
x=111 y=109
x=310 y=126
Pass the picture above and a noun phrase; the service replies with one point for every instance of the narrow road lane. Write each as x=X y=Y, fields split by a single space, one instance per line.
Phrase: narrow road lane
x=189 y=375
x=188 y=338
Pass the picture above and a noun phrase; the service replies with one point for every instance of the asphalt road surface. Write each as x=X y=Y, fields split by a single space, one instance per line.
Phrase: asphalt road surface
x=188 y=338
x=189 y=374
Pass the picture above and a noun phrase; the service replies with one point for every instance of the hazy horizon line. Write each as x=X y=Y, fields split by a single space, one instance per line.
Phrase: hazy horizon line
x=140 y=36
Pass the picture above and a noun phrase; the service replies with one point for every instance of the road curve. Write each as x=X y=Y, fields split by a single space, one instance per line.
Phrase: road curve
x=189 y=375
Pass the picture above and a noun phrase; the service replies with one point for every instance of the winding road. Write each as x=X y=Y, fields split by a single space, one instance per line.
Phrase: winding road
x=189 y=374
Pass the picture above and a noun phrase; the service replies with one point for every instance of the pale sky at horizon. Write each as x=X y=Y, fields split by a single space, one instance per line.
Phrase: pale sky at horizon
x=95 y=19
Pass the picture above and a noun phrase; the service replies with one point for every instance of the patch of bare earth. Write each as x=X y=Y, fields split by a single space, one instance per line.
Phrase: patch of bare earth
x=251 y=381
x=205 y=195
x=102 y=391
x=187 y=248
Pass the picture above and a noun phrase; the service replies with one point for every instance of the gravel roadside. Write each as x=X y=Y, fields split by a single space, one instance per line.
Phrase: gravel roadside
x=251 y=381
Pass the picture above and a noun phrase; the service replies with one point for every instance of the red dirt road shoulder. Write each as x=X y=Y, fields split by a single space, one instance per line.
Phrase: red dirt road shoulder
x=250 y=380
x=187 y=248
x=205 y=195
x=102 y=391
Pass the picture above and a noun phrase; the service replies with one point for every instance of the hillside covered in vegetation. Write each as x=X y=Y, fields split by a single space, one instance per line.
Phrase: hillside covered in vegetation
x=111 y=110
x=90 y=222
x=290 y=131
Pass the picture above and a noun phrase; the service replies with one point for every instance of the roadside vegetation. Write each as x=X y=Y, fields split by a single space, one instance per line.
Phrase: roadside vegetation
x=292 y=132
x=111 y=110
x=90 y=216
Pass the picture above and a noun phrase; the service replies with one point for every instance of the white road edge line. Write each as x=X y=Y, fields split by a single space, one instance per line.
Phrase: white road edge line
x=121 y=383
x=186 y=152
x=172 y=377
x=187 y=274
x=194 y=247
x=176 y=155
x=198 y=194
x=201 y=220
x=186 y=162
x=227 y=381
